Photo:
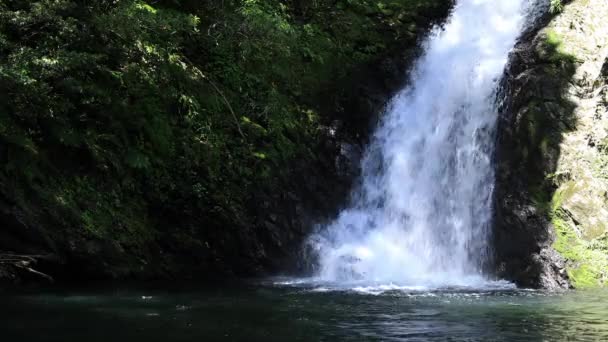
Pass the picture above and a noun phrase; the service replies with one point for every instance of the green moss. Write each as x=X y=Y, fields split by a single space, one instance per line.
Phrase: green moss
x=587 y=263
x=584 y=276
x=554 y=47
x=553 y=38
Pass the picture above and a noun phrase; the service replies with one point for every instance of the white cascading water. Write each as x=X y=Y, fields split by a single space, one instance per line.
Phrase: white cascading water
x=421 y=214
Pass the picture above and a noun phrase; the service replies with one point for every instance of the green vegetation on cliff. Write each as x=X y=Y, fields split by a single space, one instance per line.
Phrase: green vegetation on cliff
x=150 y=125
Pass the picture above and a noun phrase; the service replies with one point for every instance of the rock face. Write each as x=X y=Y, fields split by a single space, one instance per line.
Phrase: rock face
x=552 y=185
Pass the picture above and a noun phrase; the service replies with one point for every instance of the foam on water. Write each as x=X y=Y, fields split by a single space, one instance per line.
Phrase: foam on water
x=465 y=287
x=420 y=216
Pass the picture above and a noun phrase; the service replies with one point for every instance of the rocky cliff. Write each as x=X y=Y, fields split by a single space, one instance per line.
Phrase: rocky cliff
x=551 y=226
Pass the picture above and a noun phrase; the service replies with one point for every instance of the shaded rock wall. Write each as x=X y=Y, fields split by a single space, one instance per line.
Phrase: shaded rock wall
x=551 y=204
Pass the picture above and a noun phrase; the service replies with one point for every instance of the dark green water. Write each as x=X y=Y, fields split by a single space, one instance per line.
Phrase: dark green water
x=272 y=313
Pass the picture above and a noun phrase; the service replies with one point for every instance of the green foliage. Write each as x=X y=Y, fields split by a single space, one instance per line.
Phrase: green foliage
x=587 y=262
x=124 y=119
x=556 y=6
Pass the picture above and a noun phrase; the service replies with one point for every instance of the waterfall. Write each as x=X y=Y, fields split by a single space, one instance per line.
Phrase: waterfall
x=422 y=212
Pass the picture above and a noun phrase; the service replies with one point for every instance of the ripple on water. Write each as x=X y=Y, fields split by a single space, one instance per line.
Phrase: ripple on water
x=301 y=310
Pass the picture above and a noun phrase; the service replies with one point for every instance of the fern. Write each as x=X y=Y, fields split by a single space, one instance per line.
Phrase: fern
x=556 y=6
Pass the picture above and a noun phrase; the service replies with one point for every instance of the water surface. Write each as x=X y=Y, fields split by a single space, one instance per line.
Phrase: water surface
x=267 y=312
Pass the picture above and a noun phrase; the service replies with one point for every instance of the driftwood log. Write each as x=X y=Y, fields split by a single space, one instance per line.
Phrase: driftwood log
x=24 y=264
